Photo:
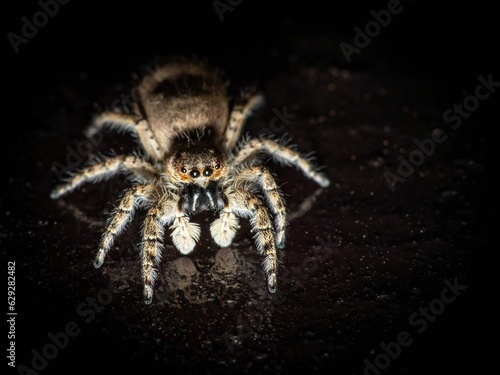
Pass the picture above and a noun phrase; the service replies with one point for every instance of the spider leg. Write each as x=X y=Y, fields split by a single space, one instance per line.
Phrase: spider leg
x=240 y=112
x=122 y=215
x=128 y=123
x=282 y=153
x=114 y=121
x=245 y=204
x=104 y=170
x=272 y=194
x=184 y=237
x=161 y=213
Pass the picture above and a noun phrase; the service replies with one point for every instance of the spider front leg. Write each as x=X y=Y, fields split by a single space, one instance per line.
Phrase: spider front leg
x=120 y=217
x=184 y=236
x=246 y=204
x=106 y=169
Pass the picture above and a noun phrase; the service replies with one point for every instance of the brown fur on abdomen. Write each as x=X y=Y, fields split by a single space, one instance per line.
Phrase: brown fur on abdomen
x=182 y=96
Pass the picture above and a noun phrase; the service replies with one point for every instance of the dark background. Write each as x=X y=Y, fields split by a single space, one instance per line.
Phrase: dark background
x=70 y=69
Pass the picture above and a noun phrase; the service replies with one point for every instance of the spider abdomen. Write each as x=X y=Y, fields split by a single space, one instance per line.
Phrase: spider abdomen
x=182 y=96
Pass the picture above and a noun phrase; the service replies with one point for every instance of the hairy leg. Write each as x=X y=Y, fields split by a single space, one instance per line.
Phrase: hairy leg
x=127 y=123
x=119 y=122
x=246 y=204
x=160 y=214
x=281 y=153
x=272 y=194
x=121 y=216
x=104 y=170
x=241 y=111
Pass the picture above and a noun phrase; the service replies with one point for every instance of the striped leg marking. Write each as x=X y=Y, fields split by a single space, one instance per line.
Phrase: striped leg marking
x=239 y=115
x=127 y=123
x=120 y=217
x=284 y=154
x=273 y=196
x=246 y=204
x=105 y=170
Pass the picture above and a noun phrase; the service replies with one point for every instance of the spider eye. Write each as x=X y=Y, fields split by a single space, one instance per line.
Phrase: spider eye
x=184 y=170
x=194 y=173
x=217 y=166
x=207 y=172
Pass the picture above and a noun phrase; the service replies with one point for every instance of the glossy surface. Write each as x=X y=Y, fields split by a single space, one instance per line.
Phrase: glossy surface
x=364 y=266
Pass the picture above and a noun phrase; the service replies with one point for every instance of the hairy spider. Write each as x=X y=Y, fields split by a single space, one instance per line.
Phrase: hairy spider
x=192 y=160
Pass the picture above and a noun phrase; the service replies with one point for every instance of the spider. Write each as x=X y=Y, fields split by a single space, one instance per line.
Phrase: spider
x=192 y=160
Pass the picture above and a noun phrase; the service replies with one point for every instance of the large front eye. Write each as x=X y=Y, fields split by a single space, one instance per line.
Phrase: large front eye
x=207 y=172
x=194 y=173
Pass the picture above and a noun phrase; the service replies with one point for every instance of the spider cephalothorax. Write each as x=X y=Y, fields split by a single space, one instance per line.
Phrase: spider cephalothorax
x=191 y=164
x=197 y=166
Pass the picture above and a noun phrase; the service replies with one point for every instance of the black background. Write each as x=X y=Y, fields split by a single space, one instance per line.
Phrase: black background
x=450 y=45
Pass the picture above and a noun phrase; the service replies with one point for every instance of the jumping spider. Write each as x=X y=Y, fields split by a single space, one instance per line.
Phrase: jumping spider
x=193 y=161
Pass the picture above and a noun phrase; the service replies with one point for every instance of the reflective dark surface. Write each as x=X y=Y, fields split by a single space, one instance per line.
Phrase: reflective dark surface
x=375 y=278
